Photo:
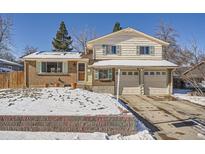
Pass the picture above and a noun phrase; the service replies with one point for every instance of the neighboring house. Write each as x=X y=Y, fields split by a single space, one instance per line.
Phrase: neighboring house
x=137 y=56
x=9 y=66
x=178 y=81
x=196 y=74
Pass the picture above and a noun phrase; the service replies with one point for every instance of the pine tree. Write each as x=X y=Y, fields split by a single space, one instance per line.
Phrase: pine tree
x=117 y=27
x=62 y=42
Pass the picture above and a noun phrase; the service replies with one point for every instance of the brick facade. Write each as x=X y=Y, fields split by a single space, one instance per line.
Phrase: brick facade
x=39 y=80
x=111 y=124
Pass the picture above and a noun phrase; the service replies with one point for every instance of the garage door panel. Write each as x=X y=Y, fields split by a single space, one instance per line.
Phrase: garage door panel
x=155 y=84
x=129 y=84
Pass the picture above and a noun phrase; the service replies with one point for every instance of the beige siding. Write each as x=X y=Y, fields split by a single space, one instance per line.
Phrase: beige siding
x=89 y=76
x=128 y=42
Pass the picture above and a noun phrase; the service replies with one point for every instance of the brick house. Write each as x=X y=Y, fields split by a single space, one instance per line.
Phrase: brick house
x=123 y=62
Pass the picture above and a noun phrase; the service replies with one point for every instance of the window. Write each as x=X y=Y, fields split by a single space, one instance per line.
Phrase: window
x=51 y=67
x=103 y=74
x=146 y=73
x=135 y=73
x=158 y=73
x=124 y=73
x=164 y=73
x=81 y=67
x=110 y=49
x=130 y=73
x=152 y=73
x=10 y=67
x=144 y=50
x=113 y=49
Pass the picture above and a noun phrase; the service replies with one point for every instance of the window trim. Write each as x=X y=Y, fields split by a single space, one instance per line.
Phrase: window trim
x=109 y=75
x=135 y=73
x=152 y=73
x=124 y=73
x=144 y=52
x=52 y=73
x=108 y=49
x=131 y=73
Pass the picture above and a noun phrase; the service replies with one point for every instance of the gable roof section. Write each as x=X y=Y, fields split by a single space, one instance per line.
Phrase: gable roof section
x=192 y=68
x=131 y=30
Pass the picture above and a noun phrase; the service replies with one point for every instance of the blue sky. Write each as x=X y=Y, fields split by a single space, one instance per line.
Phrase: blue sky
x=38 y=30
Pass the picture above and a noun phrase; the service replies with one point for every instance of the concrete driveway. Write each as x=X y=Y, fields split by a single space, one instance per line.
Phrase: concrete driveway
x=169 y=118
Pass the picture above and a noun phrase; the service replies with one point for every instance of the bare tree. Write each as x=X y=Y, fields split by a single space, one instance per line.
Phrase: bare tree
x=80 y=38
x=197 y=53
x=5 y=38
x=29 y=50
x=195 y=60
x=167 y=33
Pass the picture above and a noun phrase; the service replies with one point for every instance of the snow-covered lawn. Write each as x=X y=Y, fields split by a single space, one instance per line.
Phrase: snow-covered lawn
x=17 y=135
x=57 y=101
x=183 y=94
x=62 y=101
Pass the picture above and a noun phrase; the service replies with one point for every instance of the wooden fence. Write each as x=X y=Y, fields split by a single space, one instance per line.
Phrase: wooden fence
x=12 y=80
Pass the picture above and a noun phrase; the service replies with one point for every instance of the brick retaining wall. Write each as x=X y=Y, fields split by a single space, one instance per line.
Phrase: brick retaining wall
x=111 y=124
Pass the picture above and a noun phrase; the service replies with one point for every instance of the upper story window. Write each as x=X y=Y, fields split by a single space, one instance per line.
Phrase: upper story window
x=111 y=49
x=145 y=50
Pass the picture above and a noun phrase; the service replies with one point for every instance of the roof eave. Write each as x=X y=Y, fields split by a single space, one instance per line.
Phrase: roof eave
x=136 y=31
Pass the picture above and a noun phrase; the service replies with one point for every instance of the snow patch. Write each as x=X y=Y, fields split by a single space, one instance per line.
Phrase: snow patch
x=134 y=63
x=57 y=101
x=20 y=135
x=183 y=94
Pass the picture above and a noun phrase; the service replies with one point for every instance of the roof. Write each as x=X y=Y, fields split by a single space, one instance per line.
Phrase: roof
x=134 y=63
x=128 y=29
x=9 y=62
x=2 y=69
x=192 y=68
x=53 y=55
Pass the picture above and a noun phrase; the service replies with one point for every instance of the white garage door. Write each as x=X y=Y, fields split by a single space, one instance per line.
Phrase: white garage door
x=155 y=82
x=129 y=82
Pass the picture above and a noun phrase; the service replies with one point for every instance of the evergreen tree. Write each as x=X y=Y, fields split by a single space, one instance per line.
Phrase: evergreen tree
x=117 y=27
x=62 y=42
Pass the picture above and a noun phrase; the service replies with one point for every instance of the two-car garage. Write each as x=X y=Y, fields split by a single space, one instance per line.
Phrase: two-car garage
x=140 y=77
x=151 y=82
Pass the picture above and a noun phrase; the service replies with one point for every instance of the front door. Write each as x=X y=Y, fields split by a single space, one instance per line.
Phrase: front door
x=81 y=71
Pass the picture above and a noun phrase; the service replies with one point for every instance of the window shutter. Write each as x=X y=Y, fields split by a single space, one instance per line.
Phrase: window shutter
x=96 y=74
x=65 y=67
x=110 y=74
x=104 y=47
x=138 y=50
x=38 y=67
x=118 y=48
x=152 y=52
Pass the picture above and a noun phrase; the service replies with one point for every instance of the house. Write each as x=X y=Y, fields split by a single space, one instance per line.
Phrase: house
x=9 y=66
x=124 y=62
x=196 y=74
x=178 y=81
